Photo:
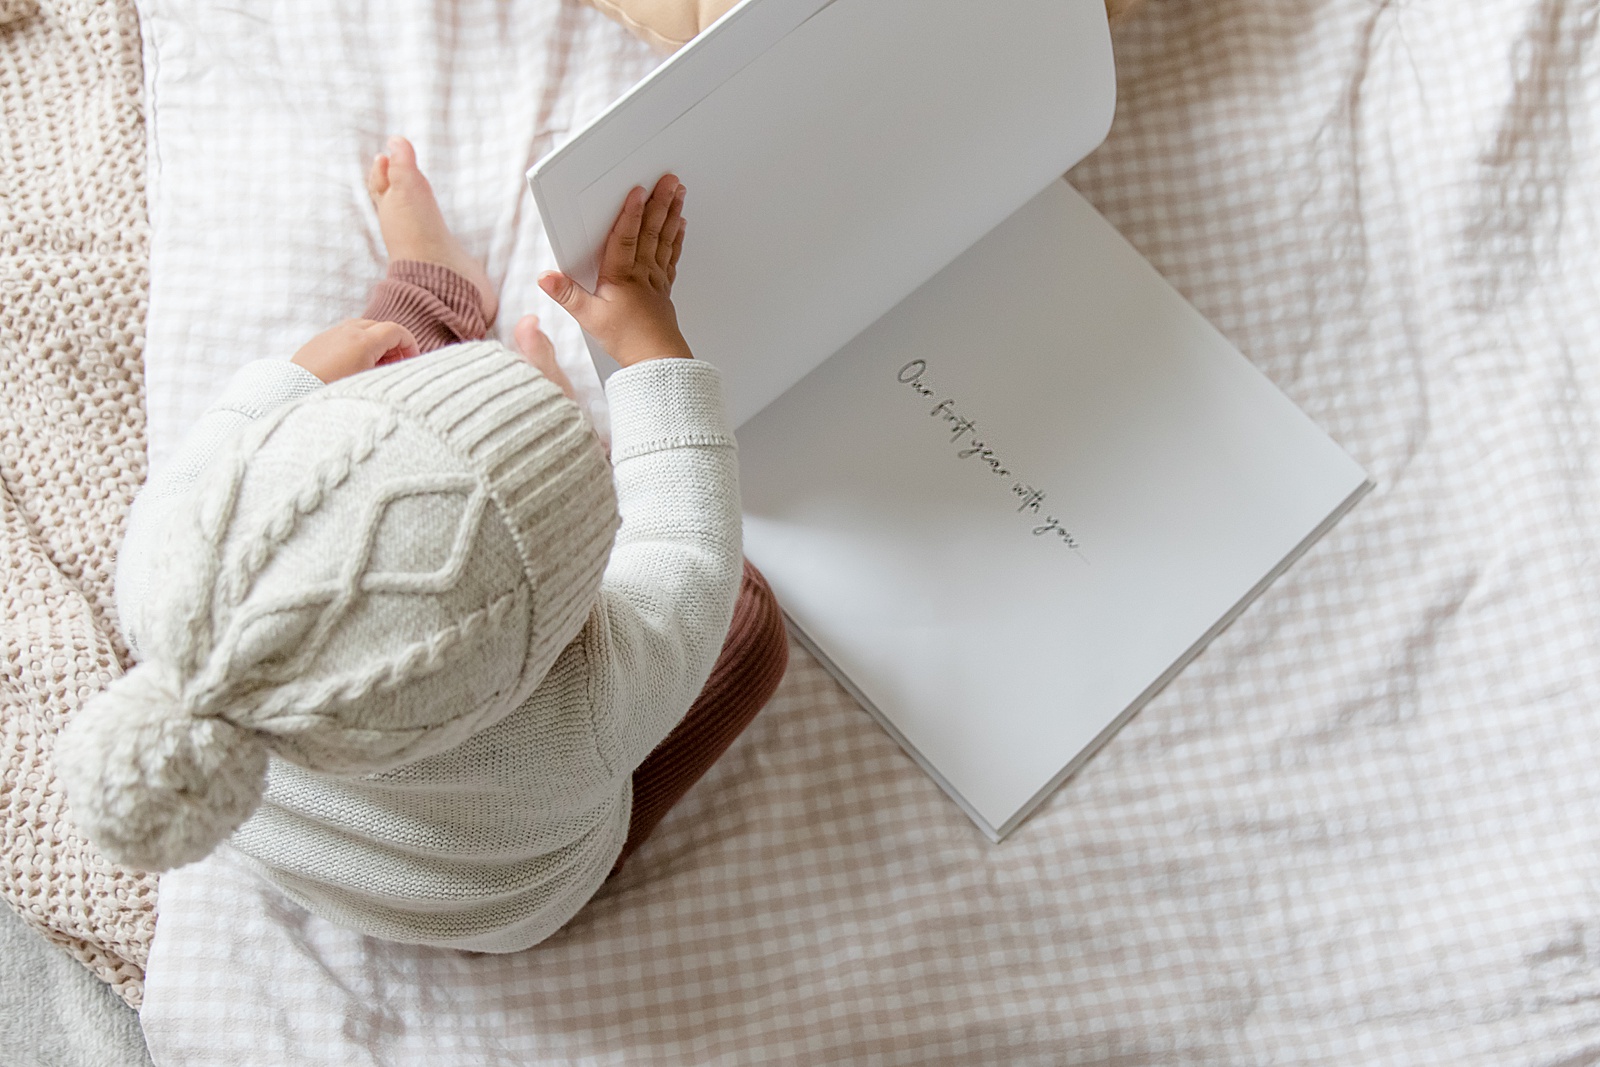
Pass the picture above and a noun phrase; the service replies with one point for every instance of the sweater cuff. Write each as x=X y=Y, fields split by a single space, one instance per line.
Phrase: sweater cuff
x=666 y=403
x=265 y=385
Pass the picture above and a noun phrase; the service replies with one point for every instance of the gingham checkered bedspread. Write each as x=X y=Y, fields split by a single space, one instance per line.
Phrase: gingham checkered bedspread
x=1360 y=829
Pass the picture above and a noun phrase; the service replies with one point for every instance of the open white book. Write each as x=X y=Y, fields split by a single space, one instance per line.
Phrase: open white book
x=1004 y=480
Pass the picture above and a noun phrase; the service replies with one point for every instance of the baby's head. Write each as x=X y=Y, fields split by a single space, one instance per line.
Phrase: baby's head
x=364 y=578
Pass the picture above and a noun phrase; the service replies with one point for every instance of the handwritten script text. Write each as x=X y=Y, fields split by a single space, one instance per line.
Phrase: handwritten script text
x=964 y=437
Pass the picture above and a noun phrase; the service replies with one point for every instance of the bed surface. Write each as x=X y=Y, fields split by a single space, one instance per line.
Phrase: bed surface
x=1360 y=828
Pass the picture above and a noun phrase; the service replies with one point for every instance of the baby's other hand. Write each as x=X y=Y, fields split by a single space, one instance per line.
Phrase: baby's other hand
x=630 y=311
x=354 y=346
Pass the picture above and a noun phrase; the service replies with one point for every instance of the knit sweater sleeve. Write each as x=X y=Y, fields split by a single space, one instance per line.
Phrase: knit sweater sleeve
x=255 y=389
x=668 y=593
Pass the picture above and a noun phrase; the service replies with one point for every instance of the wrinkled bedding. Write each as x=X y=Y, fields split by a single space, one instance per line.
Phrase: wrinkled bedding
x=1362 y=827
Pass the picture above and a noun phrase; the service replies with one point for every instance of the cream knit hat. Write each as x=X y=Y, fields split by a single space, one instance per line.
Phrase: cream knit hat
x=364 y=578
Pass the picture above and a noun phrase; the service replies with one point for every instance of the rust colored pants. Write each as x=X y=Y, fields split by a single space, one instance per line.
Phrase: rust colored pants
x=440 y=308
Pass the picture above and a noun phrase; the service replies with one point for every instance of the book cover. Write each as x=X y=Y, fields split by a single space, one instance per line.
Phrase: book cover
x=1005 y=481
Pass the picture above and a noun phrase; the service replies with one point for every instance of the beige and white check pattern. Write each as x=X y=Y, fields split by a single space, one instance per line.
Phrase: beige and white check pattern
x=1362 y=828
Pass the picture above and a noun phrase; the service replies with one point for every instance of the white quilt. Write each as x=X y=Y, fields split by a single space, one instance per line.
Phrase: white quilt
x=1362 y=828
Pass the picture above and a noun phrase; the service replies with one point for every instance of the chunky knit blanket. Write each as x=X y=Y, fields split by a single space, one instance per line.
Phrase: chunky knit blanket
x=74 y=254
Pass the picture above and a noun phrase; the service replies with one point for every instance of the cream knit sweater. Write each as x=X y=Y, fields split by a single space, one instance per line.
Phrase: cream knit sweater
x=494 y=845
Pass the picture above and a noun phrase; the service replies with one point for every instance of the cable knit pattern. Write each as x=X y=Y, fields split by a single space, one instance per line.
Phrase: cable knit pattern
x=343 y=580
x=74 y=249
x=329 y=474
x=255 y=390
x=492 y=842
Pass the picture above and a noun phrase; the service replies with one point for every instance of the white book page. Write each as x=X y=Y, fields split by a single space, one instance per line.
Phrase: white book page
x=837 y=155
x=1002 y=609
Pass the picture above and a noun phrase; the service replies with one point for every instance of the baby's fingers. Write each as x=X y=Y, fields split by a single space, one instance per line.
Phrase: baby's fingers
x=387 y=342
x=671 y=232
x=655 y=216
x=581 y=304
x=622 y=244
x=677 y=251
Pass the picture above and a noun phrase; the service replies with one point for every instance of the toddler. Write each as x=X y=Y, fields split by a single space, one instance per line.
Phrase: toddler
x=407 y=639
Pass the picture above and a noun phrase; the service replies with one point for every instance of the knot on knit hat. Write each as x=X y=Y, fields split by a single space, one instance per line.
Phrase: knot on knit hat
x=364 y=578
x=154 y=785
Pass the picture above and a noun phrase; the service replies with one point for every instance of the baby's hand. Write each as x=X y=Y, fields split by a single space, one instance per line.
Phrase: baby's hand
x=630 y=311
x=353 y=346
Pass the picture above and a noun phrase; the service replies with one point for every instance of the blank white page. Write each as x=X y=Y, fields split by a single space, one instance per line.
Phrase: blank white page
x=836 y=155
x=942 y=586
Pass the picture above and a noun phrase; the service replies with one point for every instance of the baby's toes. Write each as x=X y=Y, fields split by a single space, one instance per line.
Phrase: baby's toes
x=404 y=174
x=378 y=177
x=402 y=153
x=405 y=178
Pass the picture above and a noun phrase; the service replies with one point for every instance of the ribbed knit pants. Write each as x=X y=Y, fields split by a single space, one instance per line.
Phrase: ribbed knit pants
x=441 y=308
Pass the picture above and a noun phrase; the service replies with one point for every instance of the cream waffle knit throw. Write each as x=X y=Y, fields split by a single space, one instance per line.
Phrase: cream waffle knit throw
x=74 y=252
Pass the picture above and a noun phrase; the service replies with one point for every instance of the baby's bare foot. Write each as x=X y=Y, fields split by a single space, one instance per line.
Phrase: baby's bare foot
x=412 y=226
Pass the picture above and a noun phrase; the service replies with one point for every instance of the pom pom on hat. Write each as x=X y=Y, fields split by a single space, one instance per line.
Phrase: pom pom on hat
x=366 y=577
x=153 y=785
